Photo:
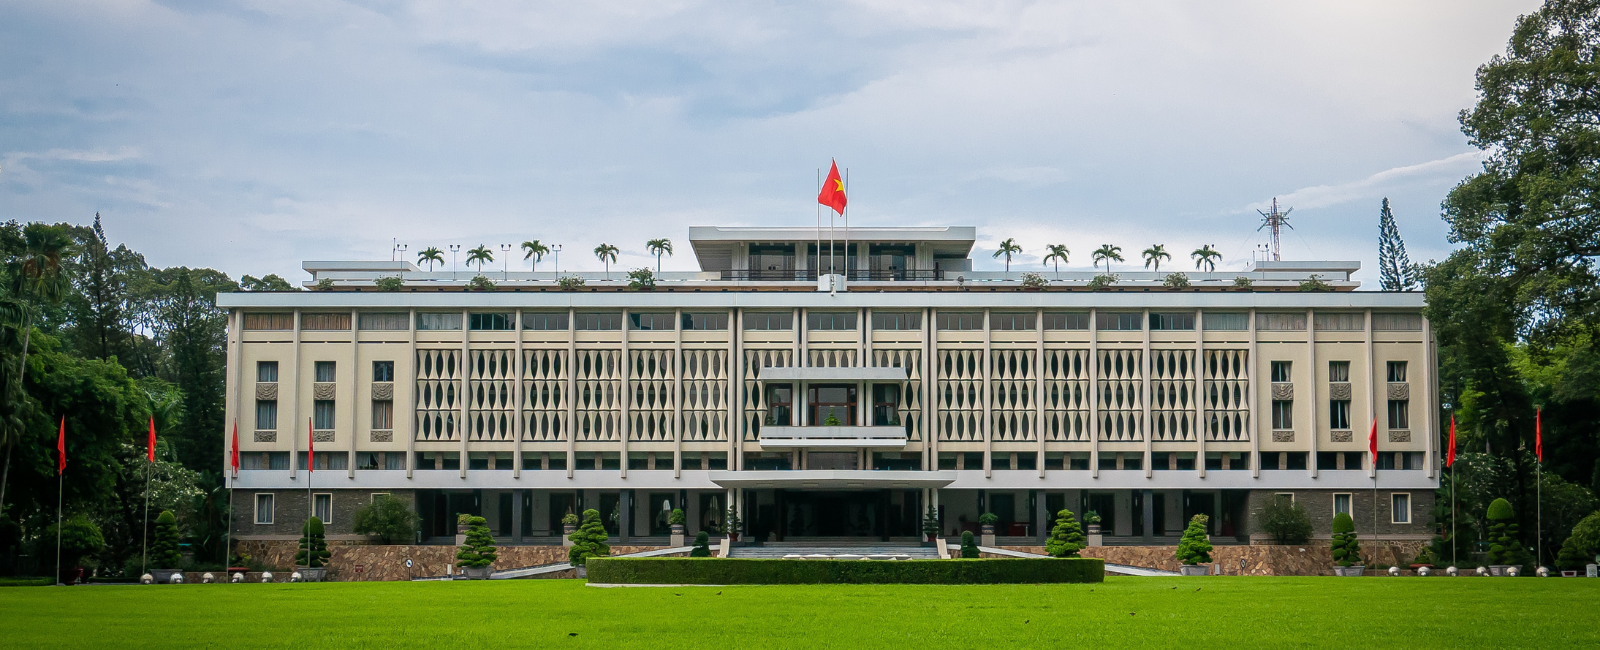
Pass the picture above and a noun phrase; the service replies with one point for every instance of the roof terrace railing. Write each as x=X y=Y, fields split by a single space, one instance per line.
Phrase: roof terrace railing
x=891 y=275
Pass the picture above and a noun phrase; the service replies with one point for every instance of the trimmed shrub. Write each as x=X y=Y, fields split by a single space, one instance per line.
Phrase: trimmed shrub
x=751 y=571
x=1066 y=538
x=988 y=519
x=589 y=540
x=1346 y=550
x=164 y=552
x=1505 y=545
x=930 y=522
x=479 y=550
x=702 y=545
x=1285 y=521
x=387 y=517
x=676 y=517
x=969 y=548
x=313 y=551
x=1194 y=548
x=1582 y=545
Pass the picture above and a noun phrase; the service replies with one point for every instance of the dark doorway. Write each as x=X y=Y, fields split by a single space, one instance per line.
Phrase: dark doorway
x=1105 y=505
x=834 y=514
x=503 y=524
x=611 y=511
x=1159 y=513
x=561 y=503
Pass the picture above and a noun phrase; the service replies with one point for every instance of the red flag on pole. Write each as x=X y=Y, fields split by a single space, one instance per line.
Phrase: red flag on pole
x=832 y=194
x=151 y=450
x=1450 y=454
x=234 y=457
x=61 y=448
x=1372 y=442
x=1538 y=436
x=311 y=447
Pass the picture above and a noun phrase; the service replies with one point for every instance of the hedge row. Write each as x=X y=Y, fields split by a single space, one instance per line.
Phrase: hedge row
x=750 y=571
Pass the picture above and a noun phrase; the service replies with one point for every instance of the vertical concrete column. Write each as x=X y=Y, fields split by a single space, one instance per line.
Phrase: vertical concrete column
x=1311 y=388
x=626 y=395
x=1373 y=378
x=572 y=389
x=516 y=507
x=677 y=396
x=411 y=416
x=930 y=372
x=1041 y=516
x=1149 y=515
x=987 y=393
x=292 y=396
x=735 y=392
x=463 y=430
x=357 y=396
x=1039 y=392
x=799 y=330
x=233 y=394
x=1199 y=370
x=1094 y=396
x=1430 y=398
x=1144 y=399
x=518 y=370
x=1254 y=392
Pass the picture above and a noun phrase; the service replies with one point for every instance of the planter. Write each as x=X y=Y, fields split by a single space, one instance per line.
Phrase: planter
x=477 y=572
x=1353 y=571
x=988 y=530
x=1194 y=570
x=678 y=536
x=1498 y=569
x=1096 y=540
x=1569 y=574
x=583 y=572
x=566 y=534
x=319 y=574
x=164 y=576
x=1094 y=529
x=71 y=576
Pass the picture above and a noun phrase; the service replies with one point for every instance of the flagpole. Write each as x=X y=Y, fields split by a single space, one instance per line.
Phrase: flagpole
x=818 y=270
x=60 y=482
x=144 y=552
x=847 y=268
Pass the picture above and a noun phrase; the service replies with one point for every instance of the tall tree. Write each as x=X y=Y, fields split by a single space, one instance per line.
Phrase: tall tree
x=1008 y=248
x=535 y=251
x=1206 y=255
x=1154 y=255
x=1395 y=272
x=269 y=282
x=430 y=256
x=482 y=255
x=608 y=254
x=657 y=247
x=1057 y=253
x=1107 y=253
x=37 y=283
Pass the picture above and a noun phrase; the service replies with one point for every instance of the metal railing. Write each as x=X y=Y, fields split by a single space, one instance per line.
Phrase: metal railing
x=893 y=275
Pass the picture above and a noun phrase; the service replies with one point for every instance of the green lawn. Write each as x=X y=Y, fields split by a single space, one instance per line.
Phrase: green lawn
x=1349 y=613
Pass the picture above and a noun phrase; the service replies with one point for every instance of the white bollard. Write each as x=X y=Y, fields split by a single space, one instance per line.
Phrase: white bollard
x=1394 y=571
x=1543 y=572
x=1483 y=571
x=1513 y=571
x=147 y=579
x=237 y=577
x=1453 y=572
x=177 y=578
x=1424 y=571
x=266 y=576
x=207 y=579
x=294 y=577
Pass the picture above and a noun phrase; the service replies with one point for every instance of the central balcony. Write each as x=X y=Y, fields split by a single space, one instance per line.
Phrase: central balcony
x=831 y=416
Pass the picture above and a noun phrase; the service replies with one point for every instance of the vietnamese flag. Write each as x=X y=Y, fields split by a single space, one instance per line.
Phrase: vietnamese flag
x=61 y=448
x=151 y=450
x=1450 y=454
x=832 y=194
x=234 y=457
x=311 y=447
x=1372 y=442
x=1538 y=437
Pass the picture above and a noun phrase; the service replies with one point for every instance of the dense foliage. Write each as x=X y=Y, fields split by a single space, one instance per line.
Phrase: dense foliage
x=79 y=539
x=1346 y=548
x=1066 y=537
x=682 y=571
x=479 y=551
x=164 y=552
x=313 y=550
x=1285 y=521
x=589 y=540
x=1582 y=545
x=1194 y=548
x=387 y=517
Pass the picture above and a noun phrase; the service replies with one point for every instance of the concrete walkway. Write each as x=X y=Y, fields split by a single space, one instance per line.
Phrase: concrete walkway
x=526 y=572
x=1110 y=568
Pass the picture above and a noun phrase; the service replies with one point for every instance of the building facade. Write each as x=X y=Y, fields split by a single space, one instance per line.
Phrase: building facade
x=844 y=403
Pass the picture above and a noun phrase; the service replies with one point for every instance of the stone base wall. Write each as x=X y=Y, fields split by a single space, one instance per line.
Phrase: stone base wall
x=1255 y=560
x=376 y=562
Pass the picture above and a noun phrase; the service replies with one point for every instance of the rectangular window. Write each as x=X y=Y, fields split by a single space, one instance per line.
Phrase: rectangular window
x=1281 y=371
x=964 y=321
x=326 y=460
x=1339 y=414
x=491 y=322
x=322 y=414
x=1340 y=322
x=1066 y=320
x=1341 y=504
x=897 y=320
x=597 y=321
x=1397 y=322
x=322 y=507
x=325 y=371
x=1338 y=371
x=266 y=414
x=439 y=322
x=836 y=321
x=705 y=321
x=393 y=460
x=1282 y=414
x=335 y=321
x=1114 y=321
x=547 y=321
x=650 y=321
x=263 y=508
x=383 y=414
x=384 y=321
x=1011 y=321
x=771 y=321
x=1226 y=321
x=1397 y=371
x=383 y=371
x=269 y=321
x=1385 y=461
x=1399 y=414
x=278 y=460
x=1400 y=508
x=1172 y=321
x=1281 y=322
x=267 y=371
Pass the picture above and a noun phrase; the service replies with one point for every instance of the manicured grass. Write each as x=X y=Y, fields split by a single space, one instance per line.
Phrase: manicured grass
x=1120 y=612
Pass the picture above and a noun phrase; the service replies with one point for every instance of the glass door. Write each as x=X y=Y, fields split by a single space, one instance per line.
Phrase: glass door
x=832 y=405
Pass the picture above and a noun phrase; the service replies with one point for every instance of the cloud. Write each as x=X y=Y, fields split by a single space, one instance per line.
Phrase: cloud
x=1321 y=196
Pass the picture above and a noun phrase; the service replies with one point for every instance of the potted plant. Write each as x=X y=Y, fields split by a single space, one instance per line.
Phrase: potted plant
x=702 y=545
x=1346 y=548
x=569 y=524
x=164 y=554
x=988 y=520
x=1066 y=538
x=675 y=520
x=1194 y=550
x=731 y=524
x=1505 y=549
x=930 y=526
x=969 y=550
x=477 y=556
x=313 y=552
x=1034 y=282
x=589 y=541
x=1091 y=519
x=80 y=539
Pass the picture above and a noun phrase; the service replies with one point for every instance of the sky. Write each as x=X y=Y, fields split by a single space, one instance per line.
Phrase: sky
x=248 y=136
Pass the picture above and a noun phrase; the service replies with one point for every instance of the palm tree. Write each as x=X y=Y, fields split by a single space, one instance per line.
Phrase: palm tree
x=482 y=255
x=535 y=251
x=1107 y=253
x=1058 y=254
x=1154 y=254
x=1206 y=255
x=430 y=256
x=657 y=247
x=37 y=282
x=1008 y=248
x=608 y=254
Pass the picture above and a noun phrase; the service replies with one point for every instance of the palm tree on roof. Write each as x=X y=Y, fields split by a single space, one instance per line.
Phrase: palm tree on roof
x=657 y=247
x=482 y=255
x=1207 y=256
x=430 y=256
x=1107 y=253
x=535 y=251
x=608 y=254
x=1154 y=254
x=1008 y=248
x=1058 y=254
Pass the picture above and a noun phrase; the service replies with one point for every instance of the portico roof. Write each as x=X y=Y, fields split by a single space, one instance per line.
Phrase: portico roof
x=823 y=479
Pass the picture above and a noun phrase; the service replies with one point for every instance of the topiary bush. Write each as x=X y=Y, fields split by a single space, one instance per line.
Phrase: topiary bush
x=930 y=522
x=702 y=545
x=1285 y=521
x=1505 y=545
x=589 y=540
x=1582 y=545
x=387 y=517
x=1066 y=538
x=969 y=548
x=676 y=518
x=164 y=553
x=1194 y=548
x=313 y=551
x=1346 y=550
x=479 y=550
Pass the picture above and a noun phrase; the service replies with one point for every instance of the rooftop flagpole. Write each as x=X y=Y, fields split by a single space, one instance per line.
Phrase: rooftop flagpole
x=818 y=270
x=848 y=270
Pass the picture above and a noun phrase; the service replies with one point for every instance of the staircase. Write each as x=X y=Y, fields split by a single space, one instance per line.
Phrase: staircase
x=836 y=548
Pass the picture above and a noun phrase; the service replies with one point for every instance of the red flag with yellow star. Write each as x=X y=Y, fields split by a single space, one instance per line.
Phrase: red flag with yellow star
x=832 y=194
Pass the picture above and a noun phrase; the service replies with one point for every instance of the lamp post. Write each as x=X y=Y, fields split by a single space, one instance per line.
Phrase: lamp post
x=454 y=248
x=556 y=252
x=396 y=250
x=505 y=262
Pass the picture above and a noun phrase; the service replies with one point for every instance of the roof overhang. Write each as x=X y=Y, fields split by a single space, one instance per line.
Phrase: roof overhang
x=815 y=479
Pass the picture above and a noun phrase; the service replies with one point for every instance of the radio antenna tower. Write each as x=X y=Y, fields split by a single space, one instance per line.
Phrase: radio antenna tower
x=1275 y=220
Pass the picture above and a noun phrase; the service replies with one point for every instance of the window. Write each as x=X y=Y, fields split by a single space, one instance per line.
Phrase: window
x=263 y=508
x=897 y=320
x=650 y=321
x=1116 y=321
x=1282 y=414
x=780 y=405
x=1400 y=508
x=269 y=321
x=545 y=321
x=1226 y=321
x=1066 y=320
x=266 y=414
x=1414 y=460
x=831 y=321
x=278 y=460
x=439 y=321
x=1399 y=414
x=325 y=371
x=1397 y=322
x=597 y=322
x=1281 y=371
x=769 y=321
x=1284 y=498
x=491 y=322
x=329 y=321
x=385 y=321
x=326 y=460
x=965 y=321
x=1341 y=504
x=1340 y=322
x=1397 y=371
x=708 y=321
x=1385 y=461
x=322 y=414
x=322 y=507
x=383 y=371
x=1011 y=321
x=1338 y=371
x=1339 y=414
x=1281 y=322
x=1172 y=321
x=383 y=414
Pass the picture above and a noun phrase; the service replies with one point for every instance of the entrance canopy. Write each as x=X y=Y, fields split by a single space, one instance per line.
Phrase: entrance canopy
x=832 y=479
